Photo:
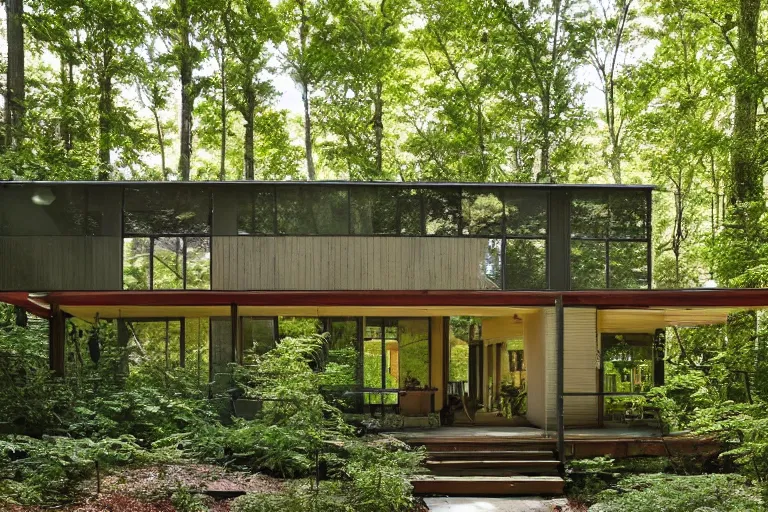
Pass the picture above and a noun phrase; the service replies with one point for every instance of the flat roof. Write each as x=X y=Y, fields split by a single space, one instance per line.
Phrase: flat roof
x=337 y=183
x=678 y=300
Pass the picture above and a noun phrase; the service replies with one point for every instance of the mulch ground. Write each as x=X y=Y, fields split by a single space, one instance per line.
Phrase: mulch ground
x=147 y=489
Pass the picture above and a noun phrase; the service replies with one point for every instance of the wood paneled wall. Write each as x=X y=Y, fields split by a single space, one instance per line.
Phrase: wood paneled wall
x=580 y=366
x=348 y=263
x=50 y=263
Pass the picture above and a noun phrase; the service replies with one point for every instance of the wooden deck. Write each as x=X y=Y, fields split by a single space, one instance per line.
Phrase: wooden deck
x=579 y=443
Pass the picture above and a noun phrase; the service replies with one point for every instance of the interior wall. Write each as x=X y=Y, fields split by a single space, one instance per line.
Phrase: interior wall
x=436 y=356
x=533 y=345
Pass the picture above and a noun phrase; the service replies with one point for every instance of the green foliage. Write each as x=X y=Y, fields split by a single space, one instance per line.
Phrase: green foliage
x=669 y=493
x=46 y=471
x=185 y=501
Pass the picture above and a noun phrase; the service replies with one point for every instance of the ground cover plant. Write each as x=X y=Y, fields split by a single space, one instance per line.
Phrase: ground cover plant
x=100 y=430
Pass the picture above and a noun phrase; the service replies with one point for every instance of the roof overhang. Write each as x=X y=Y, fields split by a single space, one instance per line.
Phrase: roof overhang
x=674 y=303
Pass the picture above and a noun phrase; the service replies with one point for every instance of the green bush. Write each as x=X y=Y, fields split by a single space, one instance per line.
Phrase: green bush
x=46 y=471
x=672 y=493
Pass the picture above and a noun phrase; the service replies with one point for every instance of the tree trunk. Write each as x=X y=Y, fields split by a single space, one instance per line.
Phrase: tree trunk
x=187 y=94
x=223 y=154
x=307 y=132
x=544 y=172
x=21 y=320
x=105 y=120
x=15 y=87
x=160 y=142
x=250 y=109
x=66 y=86
x=746 y=179
x=378 y=129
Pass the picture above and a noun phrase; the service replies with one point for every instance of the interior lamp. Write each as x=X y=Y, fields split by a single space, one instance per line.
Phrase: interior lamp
x=43 y=196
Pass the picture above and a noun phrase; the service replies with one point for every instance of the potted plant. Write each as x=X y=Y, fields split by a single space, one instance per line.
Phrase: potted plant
x=415 y=399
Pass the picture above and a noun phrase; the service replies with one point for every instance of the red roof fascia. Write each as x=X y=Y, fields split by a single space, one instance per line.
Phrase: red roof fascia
x=605 y=299
x=21 y=299
x=306 y=298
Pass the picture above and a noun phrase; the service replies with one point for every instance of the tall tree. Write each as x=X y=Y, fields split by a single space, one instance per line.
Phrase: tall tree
x=747 y=177
x=113 y=29
x=552 y=37
x=15 y=86
x=607 y=53
x=178 y=23
x=300 y=20
x=251 y=26
x=360 y=51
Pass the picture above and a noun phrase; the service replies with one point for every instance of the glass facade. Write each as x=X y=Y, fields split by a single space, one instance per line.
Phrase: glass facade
x=601 y=234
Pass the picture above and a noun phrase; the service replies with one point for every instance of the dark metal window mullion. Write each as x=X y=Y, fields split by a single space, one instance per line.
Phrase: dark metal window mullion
x=184 y=263
x=503 y=255
x=649 y=246
x=151 y=263
x=607 y=264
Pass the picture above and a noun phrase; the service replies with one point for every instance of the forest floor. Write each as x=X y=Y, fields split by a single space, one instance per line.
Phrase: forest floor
x=148 y=488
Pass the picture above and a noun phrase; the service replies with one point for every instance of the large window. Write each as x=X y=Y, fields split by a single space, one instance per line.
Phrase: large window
x=166 y=238
x=525 y=250
x=610 y=237
x=166 y=263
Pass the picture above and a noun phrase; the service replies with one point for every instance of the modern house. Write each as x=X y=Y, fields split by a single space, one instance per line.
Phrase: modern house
x=557 y=277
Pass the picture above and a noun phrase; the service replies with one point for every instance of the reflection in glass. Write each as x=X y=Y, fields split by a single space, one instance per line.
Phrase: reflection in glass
x=628 y=215
x=167 y=209
x=258 y=337
x=526 y=212
x=374 y=210
x=168 y=263
x=413 y=351
x=525 y=264
x=589 y=214
x=443 y=210
x=627 y=363
x=136 y=263
x=490 y=271
x=587 y=265
x=409 y=212
x=198 y=269
x=313 y=211
x=628 y=264
x=482 y=212
x=256 y=211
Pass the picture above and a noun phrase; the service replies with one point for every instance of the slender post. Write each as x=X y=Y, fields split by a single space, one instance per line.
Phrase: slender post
x=182 y=342
x=560 y=330
x=56 y=336
x=235 y=352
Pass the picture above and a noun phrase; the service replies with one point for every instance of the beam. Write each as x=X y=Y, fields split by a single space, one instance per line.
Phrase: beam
x=56 y=339
x=560 y=356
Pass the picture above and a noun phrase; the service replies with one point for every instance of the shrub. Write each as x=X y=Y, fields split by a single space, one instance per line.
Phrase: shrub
x=671 y=493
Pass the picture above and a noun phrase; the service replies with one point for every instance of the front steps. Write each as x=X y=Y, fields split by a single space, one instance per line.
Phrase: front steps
x=487 y=485
x=489 y=467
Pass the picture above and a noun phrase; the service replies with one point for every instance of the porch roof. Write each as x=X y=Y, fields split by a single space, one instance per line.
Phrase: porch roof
x=676 y=307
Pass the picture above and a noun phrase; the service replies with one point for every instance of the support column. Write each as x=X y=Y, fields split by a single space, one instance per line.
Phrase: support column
x=560 y=358
x=122 y=347
x=437 y=359
x=182 y=342
x=659 y=344
x=237 y=348
x=56 y=337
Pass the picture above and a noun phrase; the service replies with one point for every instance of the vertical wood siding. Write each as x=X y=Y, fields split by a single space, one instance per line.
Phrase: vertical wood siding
x=50 y=263
x=580 y=366
x=348 y=263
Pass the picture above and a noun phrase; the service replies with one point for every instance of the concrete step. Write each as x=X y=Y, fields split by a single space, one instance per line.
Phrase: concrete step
x=491 y=455
x=492 y=467
x=487 y=485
